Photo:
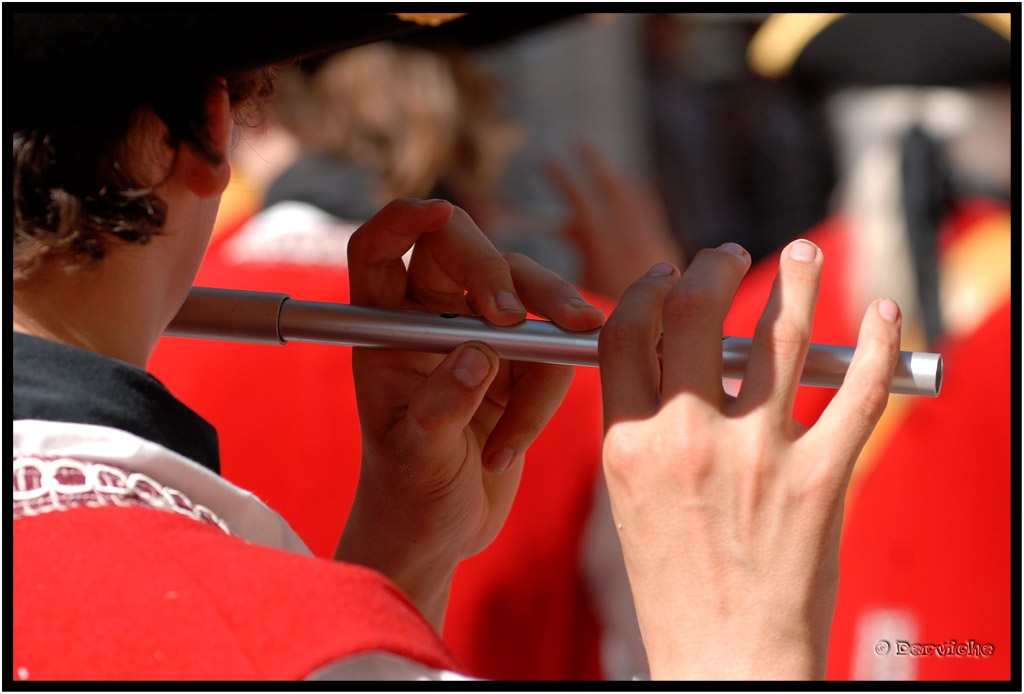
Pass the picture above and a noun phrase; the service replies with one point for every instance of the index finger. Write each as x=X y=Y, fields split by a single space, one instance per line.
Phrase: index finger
x=377 y=273
x=458 y=266
x=627 y=348
x=694 y=313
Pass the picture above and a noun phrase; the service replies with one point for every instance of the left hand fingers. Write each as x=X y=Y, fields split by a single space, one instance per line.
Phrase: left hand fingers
x=536 y=392
x=377 y=273
x=546 y=294
x=453 y=263
x=443 y=405
x=457 y=266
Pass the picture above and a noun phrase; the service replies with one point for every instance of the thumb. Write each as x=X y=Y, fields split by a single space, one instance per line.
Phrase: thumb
x=445 y=403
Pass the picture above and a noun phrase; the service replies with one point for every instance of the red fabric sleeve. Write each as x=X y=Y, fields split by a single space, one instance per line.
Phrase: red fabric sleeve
x=128 y=593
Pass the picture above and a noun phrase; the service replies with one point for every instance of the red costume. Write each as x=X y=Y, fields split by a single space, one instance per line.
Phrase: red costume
x=134 y=560
x=195 y=603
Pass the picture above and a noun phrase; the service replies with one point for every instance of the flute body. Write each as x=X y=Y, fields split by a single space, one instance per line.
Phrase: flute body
x=246 y=316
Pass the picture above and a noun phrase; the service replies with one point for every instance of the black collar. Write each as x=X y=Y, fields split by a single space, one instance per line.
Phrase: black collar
x=59 y=383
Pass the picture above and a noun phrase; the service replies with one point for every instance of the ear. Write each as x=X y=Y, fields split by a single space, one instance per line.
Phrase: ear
x=203 y=177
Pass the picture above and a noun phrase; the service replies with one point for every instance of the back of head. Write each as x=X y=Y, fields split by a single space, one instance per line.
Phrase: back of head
x=416 y=117
x=388 y=108
x=83 y=81
x=77 y=181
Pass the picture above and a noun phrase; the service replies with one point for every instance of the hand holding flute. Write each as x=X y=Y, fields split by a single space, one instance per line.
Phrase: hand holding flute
x=719 y=501
x=444 y=436
x=728 y=510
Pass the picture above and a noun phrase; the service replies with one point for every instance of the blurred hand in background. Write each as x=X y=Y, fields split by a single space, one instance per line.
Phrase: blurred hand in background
x=617 y=224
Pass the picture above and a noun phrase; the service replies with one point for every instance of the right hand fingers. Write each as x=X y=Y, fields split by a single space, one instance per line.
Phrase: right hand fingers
x=687 y=314
x=627 y=348
x=782 y=335
x=694 y=313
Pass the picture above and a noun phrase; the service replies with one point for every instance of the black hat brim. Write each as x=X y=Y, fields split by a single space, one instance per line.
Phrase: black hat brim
x=58 y=58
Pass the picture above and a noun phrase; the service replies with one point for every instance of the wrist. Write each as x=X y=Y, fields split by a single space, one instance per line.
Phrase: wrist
x=424 y=573
x=733 y=659
x=744 y=644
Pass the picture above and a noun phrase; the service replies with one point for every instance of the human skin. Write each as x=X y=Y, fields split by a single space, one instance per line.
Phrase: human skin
x=728 y=510
x=91 y=306
x=444 y=438
x=617 y=223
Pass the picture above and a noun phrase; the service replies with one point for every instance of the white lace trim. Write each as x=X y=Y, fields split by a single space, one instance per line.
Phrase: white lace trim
x=247 y=517
x=56 y=485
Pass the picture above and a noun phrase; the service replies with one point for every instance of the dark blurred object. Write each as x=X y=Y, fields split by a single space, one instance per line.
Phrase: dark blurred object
x=123 y=57
x=825 y=53
x=737 y=157
x=927 y=200
x=833 y=50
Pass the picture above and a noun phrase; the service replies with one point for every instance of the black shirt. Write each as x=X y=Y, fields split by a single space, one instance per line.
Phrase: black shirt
x=60 y=383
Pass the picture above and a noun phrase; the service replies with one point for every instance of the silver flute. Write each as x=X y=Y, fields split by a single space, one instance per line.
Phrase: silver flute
x=247 y=316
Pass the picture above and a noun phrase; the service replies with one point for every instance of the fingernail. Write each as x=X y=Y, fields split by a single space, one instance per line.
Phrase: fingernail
x=733 y=248
x=501 y=459
x=804 y=251
x=661 y=270
x=471 y=367
x=888 y=310
x=507 y=301
x=580 y=302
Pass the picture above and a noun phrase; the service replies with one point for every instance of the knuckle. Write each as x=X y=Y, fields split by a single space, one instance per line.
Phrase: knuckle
x=821 y=487
x=617 y=336
x=810 y=491
x=624 y=451
x=493 y=264
x=871 y=401
x=459 y=211
x=682 y=457
x=688 y=303
x=357 y=242
x=517 y=259
x=786 y=336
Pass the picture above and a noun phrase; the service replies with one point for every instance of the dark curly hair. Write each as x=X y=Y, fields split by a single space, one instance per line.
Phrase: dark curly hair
x=73 y=197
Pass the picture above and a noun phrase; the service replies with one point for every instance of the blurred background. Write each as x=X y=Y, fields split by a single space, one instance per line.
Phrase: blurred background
x=600 y=144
